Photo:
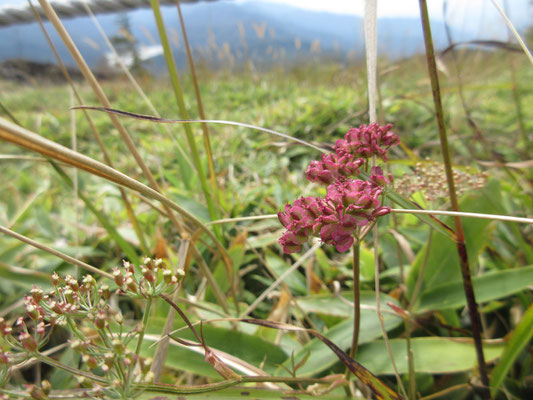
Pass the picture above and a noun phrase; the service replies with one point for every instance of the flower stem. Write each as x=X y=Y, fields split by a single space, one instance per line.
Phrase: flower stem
x=74 y=371
x=146 y=314
x=356 y=261
x=460 y=241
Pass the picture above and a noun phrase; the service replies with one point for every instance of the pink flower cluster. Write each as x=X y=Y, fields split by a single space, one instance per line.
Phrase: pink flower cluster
x=351 y=153
x=349 y=203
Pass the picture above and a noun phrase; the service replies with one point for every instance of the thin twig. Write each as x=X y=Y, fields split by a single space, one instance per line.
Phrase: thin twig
x=494 y=217
x=515 y=32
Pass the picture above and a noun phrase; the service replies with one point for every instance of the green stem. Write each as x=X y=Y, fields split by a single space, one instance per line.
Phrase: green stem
x=211 y=387
x=74 y=371
x=178 y=93
x=207 y=141
x=460 y=241
x=147 y=309
x=356 y=261
x=356 y=265
x=410 y=360
x=407 y=324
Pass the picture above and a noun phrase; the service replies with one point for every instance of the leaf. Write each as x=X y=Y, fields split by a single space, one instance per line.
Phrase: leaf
x=341 y=334
x=432 y=355
x=443 y=261
x=490 y=286
x=249 y=348
x=24 y=277
x=518 y=341
x=104 y=220
x=329 y=304
x=427 y=219
x=295 y=281
x=380 y=390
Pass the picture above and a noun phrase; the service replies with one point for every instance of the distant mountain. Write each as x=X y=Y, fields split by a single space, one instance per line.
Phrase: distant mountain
x=226 y=33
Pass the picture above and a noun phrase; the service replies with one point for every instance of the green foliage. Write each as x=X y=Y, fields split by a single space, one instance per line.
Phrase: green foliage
x=258 y=174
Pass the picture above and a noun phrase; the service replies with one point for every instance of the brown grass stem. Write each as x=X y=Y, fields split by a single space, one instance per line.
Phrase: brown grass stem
x=63 y=256
x=129 y=209
x=494 y=217
x=513 y=30
x=22 y=137
x=162 y=347
x=137 y=87
x=99 y=92
x=460 y=241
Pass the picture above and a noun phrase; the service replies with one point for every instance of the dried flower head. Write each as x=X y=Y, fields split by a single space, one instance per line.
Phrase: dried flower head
x=429 y=178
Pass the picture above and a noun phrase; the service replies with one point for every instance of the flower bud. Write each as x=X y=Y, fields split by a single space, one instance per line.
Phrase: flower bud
x=89 y=281
x=119 y=318
x=28 y=342
x=46 y=386
x=100 y=320
x=148 y=274
x=104 y=291
x=131 y=285
x=118 y=346
x=36 y=294
x=117 y=275
x=56 y=280
x=4 y=358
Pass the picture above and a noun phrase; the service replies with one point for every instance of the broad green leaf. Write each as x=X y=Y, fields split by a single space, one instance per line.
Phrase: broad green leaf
x=432 y=355
x=443 y=262
x=191 y=205
x=518 y=341
x=406 y=204
x=321 y=357
x=295 y=281
x=490 y=286
x=24 y=277
x=328 y=304
x=249 y=348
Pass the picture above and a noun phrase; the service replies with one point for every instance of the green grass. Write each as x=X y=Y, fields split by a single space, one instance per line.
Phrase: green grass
x=259 y=173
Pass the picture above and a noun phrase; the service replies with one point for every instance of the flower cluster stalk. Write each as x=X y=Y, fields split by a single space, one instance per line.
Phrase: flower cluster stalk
x=460 y=241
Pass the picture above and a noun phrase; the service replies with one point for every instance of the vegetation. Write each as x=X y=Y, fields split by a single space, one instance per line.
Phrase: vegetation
x=236 y=278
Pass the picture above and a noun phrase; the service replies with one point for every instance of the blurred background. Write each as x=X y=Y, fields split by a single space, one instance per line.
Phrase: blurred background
x=232 y=35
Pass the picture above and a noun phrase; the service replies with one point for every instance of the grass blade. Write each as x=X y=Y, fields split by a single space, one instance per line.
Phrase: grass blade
x=67 y=258
x=29 y=140
x=205 y=131
x=104 y=220
x=178 y=93
x=518 y=341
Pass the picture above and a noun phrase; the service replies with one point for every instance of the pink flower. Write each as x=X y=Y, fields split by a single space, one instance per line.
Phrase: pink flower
x=349 y=203
x=367 y=141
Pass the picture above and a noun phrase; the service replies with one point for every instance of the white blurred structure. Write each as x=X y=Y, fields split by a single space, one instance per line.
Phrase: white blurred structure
x=12 y=14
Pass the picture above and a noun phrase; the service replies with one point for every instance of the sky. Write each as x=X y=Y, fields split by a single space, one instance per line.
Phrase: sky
x=474 y=16
x=400 y=8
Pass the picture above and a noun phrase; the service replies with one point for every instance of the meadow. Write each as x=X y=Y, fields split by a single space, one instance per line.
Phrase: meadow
x=207 y=248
